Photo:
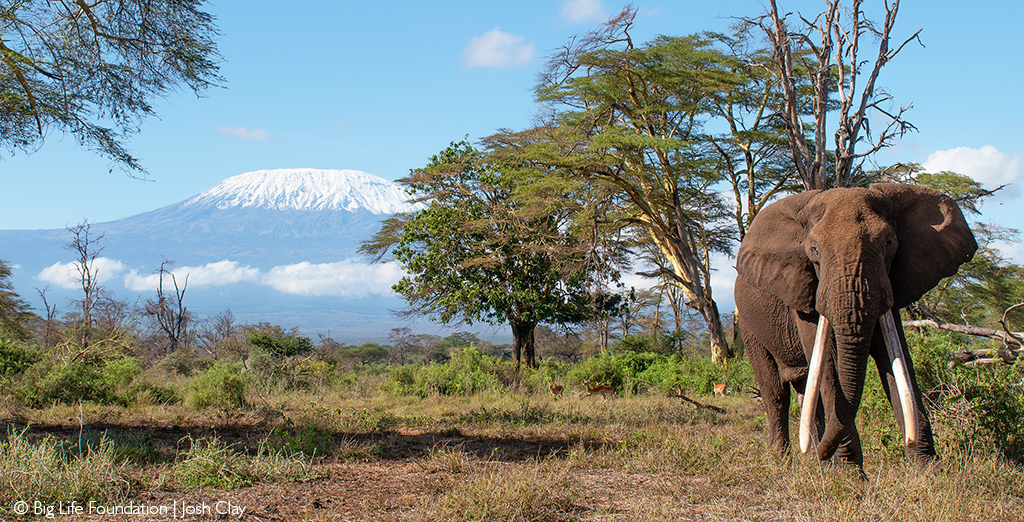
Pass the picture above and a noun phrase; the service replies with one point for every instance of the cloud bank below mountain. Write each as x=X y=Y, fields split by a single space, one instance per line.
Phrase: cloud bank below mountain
x=348 y=278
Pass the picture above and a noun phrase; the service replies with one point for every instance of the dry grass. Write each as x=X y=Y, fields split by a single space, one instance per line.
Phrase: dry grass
x=515 y=457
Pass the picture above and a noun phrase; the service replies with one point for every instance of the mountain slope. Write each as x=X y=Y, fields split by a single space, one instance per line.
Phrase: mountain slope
x=274 y=245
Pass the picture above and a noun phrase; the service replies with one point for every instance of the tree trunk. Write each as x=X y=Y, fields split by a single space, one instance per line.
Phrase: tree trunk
x=523 y=343
x=720 y=350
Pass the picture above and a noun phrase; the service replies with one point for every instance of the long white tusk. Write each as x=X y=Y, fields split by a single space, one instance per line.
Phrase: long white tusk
x=809 y=408
x=902 y=377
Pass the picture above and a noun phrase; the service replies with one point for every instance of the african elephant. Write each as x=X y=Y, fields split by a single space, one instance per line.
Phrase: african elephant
x=821 y=277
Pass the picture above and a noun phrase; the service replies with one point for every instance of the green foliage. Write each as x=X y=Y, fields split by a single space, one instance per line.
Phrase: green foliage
x=473 y=255
x=976 y=410
x=16 y=356
x=467 y=372
x=274 y=340
x=75 y=70
x=15 y=312
x=363 y=355
x=53 y=380
x=642 y=372
x=223 y=385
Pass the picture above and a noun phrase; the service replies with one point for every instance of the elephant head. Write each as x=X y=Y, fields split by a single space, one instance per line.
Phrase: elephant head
x=851 y=256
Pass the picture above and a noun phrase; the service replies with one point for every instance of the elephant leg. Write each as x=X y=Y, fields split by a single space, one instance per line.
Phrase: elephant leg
x=773 y=350
x=774 y=393
x=924 y=450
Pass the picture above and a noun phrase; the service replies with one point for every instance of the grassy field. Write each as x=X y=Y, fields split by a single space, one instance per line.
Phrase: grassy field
x=511 y=455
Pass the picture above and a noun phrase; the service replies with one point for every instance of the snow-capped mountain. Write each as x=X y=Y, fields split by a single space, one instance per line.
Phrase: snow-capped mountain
x=305 y=189
x=271 y=245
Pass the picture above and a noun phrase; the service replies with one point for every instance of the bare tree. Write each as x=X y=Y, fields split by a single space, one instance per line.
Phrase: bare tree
x=222 y=333
x=85 y=245
x=50 y=334
x=403 y=344
x=825 y=54
x=169 y=311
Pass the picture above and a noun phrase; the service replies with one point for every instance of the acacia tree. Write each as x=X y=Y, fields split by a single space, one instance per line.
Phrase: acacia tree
x=67 y=64
x=15 y=313
x=629 y=120
x=469 y=256
x=753 y=152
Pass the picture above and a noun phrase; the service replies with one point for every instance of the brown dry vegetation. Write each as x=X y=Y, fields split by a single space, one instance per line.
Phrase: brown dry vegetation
x=497 y=456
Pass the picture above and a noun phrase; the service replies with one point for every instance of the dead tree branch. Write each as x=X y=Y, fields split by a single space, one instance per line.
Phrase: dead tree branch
x=1013 y=342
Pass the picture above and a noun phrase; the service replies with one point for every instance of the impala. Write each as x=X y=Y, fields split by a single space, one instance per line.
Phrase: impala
x=556 y=389
x=598 y=388
x=720 y=388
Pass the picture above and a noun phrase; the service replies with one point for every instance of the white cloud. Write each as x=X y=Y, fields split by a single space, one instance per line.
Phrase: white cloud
x=243 y=133
x=497 y=49
x=576 y=11
x=68 y=275
x=987 y=165
x=346 y=278
x=211 y=274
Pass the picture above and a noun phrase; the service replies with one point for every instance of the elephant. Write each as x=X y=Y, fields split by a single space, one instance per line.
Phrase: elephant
x=821 y=277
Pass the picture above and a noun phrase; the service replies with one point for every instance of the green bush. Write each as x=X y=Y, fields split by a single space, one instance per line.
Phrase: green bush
x=467 y=372
x=974 y=410
x=643 y=372
x=16 y=356
x=223 y=385
x=51 y=381
x=279 y=344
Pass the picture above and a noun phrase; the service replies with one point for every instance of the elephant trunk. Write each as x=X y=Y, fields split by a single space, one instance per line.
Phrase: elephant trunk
x=851 y=359
x=855 y=314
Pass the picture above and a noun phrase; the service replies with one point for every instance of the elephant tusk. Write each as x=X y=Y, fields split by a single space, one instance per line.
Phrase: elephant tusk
x=808 y=409
x=902 y=377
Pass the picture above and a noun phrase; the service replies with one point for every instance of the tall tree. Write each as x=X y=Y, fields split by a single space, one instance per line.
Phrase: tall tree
x=629 y=119
x=753 y=151
x=824 y=54
x=470 y=257
x=76 y=66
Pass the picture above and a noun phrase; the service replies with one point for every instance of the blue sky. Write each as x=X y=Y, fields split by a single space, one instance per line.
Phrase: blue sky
x=381 y=86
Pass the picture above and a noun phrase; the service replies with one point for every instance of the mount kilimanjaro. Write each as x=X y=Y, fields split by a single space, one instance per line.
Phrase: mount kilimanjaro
x=271 y=245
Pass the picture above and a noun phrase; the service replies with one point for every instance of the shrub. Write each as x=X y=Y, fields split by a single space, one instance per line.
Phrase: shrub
x=222 y=386
x=52 y=381
x=467 y=372
x=640 y=372
x=280 y=344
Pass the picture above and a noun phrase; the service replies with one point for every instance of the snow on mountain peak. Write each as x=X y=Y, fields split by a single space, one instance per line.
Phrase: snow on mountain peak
x=306 y=189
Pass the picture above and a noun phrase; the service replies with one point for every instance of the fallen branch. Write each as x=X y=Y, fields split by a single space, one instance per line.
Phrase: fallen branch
x=1007 y=338
x=1006 y=355
x=699 y=406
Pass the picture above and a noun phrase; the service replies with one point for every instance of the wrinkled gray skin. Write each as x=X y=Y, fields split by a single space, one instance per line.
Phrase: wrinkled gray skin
x=849 y=254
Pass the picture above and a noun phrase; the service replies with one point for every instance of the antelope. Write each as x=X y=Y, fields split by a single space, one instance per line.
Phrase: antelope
x=720 y=388
x=679 y=392
x=598 y=388
x=556 y=389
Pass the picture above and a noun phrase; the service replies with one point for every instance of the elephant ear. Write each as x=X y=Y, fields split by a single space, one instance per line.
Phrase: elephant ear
x=772 y=255
x=934 y=240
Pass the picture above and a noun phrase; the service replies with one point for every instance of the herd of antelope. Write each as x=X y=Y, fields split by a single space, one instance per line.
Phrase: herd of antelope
x=596 y=388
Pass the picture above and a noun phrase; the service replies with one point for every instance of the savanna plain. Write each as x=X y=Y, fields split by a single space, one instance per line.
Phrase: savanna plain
x=470 y=437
